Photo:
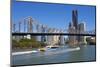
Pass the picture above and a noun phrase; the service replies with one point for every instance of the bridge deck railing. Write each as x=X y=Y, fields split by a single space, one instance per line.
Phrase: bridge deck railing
x=69 y=34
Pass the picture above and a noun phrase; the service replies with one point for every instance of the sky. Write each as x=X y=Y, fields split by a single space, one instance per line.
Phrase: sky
x=53 y=15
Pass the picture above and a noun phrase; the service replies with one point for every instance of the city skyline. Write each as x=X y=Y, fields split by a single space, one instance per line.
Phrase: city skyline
x=53 y=15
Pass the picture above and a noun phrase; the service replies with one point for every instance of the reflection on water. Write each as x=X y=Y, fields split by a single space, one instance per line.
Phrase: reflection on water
x=62 y=54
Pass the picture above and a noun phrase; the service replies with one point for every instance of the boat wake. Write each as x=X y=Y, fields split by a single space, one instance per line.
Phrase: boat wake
x=25 y=52
x=61 y=51
x=48 y=52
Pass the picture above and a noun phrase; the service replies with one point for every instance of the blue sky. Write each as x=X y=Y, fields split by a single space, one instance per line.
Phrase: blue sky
x=53 y=15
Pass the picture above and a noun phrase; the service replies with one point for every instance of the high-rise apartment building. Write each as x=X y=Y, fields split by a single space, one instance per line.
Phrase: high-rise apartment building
x=75 y=18
x=72 y=39
x=81 y=26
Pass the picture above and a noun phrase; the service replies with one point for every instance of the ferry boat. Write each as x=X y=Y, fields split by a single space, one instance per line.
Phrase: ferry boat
x=55 y=46
x=48 y=48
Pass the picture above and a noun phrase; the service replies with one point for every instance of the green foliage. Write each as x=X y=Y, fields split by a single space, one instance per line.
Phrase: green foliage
x=28 y=43
x=15 y=43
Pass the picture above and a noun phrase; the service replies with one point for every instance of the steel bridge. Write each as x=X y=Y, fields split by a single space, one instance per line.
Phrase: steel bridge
x=36 y=34
x=29 y=26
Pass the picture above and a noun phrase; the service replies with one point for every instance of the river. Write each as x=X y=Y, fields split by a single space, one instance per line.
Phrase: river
x=62 y=54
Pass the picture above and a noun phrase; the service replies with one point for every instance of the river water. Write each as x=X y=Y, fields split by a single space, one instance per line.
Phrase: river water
x=58 y=55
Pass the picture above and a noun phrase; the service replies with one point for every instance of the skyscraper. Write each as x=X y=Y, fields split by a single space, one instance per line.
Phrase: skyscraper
x=73 y=28
x=30 y=25
x=61 y=37
x=49 y=38
x=14 y=27
x=81 y=39
x=72 y=39
x=43 y=30
x=75 y=18
x=19 y=26
x=38 y=30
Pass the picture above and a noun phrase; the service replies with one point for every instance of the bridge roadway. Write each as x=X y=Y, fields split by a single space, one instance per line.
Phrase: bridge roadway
x=37 y=34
